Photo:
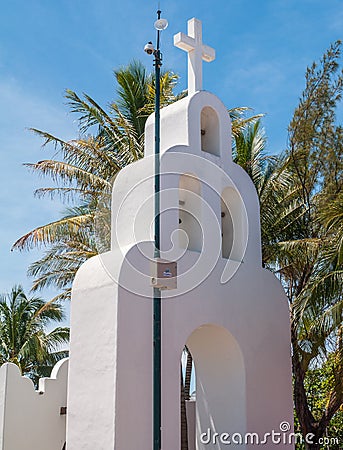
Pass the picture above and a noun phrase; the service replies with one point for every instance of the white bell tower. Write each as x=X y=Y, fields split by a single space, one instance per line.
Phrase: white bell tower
x=230 y=312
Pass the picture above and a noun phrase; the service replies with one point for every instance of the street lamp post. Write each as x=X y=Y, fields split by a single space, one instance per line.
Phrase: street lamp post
x=160 y=24
x=157 y=292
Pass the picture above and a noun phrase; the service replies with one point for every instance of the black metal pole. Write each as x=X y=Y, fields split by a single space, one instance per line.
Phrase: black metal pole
x=157 y=292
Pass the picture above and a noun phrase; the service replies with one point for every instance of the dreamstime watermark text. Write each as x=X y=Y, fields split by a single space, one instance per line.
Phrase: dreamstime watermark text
x=283 y=436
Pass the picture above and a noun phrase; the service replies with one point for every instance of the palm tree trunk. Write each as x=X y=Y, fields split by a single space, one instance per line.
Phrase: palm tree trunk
x=305 y=417
x=188 y=374
x=184 y=427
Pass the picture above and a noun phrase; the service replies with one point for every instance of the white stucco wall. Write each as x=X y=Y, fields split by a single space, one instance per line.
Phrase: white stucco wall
x=31 y=419
x=232 y=314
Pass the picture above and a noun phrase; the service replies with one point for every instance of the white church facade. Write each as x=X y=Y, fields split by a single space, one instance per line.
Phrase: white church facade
x=230 y=312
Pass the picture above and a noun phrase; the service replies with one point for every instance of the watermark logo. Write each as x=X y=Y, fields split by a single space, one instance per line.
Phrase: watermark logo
x=283 y=436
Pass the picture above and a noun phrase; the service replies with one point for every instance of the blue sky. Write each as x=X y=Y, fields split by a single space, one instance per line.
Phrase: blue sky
x=263 y=48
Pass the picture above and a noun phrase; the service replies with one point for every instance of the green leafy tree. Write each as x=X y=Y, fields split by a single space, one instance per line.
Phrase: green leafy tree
x=307 y=253
x=301 y=206
x=319 y=383
x=24 y=339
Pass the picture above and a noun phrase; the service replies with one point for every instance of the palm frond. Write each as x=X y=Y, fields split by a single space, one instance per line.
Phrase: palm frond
x=74 y=222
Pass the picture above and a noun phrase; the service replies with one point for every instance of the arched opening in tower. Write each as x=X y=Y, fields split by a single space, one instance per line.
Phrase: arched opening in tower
x=209 y=126
x=190 y=236
x=213 y=397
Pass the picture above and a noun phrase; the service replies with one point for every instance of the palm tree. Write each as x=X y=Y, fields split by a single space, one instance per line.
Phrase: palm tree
x=307 y=254
x=302 y=239
x=23 y=336
x=325 y=291
x=85 y=171
x=274 y=184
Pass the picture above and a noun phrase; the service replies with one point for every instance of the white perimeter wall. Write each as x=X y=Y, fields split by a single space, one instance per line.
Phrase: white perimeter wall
x=30 y=419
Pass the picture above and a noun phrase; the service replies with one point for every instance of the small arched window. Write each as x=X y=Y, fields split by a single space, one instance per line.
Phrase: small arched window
x=190 y=213
x=210 y=140
x=233 y=225
x=227 y=229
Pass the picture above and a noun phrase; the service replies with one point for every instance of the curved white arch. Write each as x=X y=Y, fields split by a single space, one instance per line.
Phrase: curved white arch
x=220 y=382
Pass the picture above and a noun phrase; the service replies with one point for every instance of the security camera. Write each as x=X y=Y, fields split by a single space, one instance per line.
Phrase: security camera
x=149 y=48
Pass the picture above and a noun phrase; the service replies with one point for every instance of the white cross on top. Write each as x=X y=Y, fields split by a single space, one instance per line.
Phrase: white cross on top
x=197 y=52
